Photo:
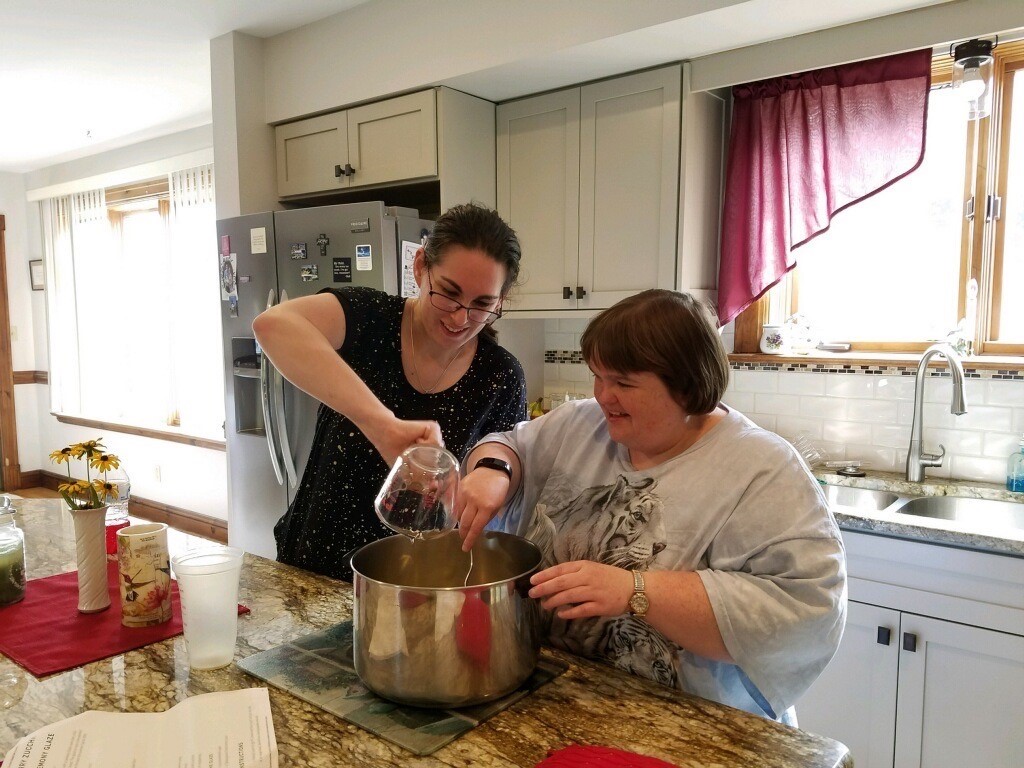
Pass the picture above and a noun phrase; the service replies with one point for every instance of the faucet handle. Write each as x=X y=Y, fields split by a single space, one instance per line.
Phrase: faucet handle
x=933 y=459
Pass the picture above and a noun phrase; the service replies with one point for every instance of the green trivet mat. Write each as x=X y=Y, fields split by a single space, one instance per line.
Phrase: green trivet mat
x=318 y=668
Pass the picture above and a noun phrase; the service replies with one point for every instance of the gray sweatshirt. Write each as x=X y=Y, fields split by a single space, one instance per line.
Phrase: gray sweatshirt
x=739 y=507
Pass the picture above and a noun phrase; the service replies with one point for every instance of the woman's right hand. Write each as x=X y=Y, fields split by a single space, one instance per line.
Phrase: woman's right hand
x=394 y=435
x=481 y=494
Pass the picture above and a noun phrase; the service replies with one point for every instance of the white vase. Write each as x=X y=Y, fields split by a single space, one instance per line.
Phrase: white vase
x=91 y=554
x=773 y=340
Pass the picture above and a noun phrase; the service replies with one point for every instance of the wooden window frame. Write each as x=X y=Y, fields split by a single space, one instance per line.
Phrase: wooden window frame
x=981 y=246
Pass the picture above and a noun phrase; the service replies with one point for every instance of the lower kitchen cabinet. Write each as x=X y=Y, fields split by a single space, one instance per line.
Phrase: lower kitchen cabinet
x=912 y=691
x=909 y=691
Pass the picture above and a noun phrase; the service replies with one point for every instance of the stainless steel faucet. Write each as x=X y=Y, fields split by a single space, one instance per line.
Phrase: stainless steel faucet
x=917 y=459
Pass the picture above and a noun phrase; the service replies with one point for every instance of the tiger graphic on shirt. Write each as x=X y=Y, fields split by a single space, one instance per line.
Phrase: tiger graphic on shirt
x=622 y=525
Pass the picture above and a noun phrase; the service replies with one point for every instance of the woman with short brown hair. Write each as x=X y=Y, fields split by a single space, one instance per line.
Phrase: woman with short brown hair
x=681 y=542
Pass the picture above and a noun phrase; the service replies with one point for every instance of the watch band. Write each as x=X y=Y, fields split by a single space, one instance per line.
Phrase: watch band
x=490 y=462
x=638 y=581
x=638 y=603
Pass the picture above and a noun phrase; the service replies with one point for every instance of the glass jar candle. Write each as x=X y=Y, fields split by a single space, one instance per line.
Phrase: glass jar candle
x=12 y=556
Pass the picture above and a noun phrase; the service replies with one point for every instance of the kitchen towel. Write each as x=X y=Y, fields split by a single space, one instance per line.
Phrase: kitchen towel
x=577 y=756
x=45 y=633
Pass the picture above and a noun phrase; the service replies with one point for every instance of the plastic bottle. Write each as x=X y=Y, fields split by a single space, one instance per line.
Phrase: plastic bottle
x=12 y=556
x=1015 y=469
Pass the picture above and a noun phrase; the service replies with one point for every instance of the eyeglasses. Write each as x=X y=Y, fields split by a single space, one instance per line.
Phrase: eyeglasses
x=448 y=304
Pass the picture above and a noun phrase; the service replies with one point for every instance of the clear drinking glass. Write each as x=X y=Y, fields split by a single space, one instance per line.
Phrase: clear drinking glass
x=418 y=496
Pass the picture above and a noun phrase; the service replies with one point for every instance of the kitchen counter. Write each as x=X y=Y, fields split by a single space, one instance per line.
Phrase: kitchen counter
x=589 y=704
x=932 y=530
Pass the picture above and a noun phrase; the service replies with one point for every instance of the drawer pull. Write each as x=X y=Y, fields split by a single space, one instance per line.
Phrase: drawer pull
x=566 y=292
x=910 y=642
x=884 y=636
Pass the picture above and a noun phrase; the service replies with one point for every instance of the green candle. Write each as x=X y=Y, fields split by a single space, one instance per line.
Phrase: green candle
x=12 y=556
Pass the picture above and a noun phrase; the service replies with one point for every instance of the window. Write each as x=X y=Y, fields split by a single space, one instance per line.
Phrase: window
x=902 y=268
x=134 y=314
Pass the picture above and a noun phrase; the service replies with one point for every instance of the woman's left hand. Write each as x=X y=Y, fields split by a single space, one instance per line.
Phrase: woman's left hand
x=582 y=588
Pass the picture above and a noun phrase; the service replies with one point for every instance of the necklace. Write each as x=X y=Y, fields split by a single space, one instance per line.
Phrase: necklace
x=416 y=373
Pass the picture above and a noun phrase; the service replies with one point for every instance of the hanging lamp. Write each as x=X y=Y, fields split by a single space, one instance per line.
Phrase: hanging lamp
x=972 y=75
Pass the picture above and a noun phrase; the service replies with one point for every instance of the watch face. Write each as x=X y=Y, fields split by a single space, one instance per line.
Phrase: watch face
x=639 y=603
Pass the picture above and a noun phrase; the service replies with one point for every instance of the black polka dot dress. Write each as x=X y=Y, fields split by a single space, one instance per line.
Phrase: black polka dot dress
x=332 y=513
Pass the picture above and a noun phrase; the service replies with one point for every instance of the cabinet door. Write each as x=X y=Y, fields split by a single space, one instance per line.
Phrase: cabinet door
x=854 y=699
x=960 y=697
x=629 y=181
x=393 y=140
x=307 y=153
x=538 y=162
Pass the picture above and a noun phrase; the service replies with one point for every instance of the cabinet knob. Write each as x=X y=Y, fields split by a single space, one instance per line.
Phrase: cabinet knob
x=910 y=642
x=580 y=292
x=566 y=292
x=346 y=170
x=884 y=636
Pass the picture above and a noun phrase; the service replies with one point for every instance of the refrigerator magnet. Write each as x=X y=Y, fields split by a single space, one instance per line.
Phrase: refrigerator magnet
x=298 y=250
x=322 y=242
x=342 y=270
x=228 y=272
x=364 y=258
x=309 y=273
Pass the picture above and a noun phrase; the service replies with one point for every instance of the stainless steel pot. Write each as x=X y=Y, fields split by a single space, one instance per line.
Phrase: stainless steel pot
x=420 y=637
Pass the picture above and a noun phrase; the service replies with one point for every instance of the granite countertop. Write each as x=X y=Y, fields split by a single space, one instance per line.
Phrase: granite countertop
x=590 y=704
x=970 y=535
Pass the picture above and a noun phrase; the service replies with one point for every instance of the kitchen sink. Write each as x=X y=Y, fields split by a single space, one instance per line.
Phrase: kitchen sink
x=858 y=498
x=983 y=513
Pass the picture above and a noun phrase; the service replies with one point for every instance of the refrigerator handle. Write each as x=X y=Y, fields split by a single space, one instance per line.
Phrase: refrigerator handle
x=282 y=423
x=268 y=420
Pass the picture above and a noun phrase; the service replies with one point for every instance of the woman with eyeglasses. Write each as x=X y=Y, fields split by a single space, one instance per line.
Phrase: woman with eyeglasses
x=392 y=372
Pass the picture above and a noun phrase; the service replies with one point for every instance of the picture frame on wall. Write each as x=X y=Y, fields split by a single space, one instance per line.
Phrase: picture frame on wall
x=35 y=270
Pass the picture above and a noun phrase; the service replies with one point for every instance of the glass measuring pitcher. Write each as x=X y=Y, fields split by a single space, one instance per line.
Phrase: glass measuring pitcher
x=418 y=496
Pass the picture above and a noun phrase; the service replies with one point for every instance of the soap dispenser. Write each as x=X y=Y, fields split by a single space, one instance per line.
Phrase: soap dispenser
x=1015 y=469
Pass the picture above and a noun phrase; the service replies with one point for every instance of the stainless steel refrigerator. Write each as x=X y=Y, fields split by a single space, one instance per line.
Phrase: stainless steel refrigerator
x=266 y=258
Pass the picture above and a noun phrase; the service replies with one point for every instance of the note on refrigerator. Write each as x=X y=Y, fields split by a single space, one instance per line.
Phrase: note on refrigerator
x=409 y=288
x=230 y=729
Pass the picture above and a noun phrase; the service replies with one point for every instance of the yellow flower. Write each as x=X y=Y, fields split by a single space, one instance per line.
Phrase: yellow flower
x=105 y=489
x=66 y=487
x=90 y=448
x=77 y=450
x=81 y=486
x=59 y=457
x=104 y=462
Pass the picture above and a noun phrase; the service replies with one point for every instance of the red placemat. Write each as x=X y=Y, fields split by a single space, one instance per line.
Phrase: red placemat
x=599 y=757
x=45 y=633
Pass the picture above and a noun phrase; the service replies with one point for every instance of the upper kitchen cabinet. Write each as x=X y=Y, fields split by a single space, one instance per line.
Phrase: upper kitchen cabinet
x=429 y=135
x=589 y=177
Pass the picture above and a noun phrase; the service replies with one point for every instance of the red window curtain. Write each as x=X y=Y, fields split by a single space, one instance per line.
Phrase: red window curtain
x=804 y=147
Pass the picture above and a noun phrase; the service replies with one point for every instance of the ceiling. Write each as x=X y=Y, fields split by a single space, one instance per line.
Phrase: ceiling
x=84 y=76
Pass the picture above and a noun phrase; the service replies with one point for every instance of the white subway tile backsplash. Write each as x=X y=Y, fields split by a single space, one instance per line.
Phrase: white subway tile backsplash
x=741 y=401
x=823 y=407
x=905 y=413
x=575 y=325
x=894 y=388
x=985 y=417
x=552 y=373
x=755 y=381
x=1004 y=393
x=556 y=340
x=890 y=436
x=938 y=415
x=783 y=405
x=801 y=384
x=875 y=411
x=938 y=390
x=975 y=468
x=848 y=385
x=846 y=432
x=791 y=426
x=999 y=445
x=875 y=457
x=957 y=441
